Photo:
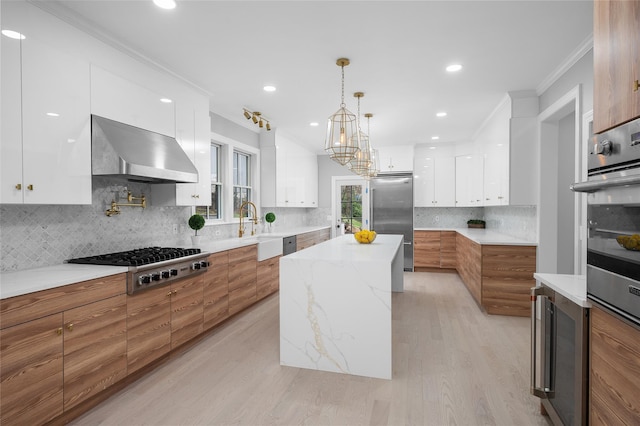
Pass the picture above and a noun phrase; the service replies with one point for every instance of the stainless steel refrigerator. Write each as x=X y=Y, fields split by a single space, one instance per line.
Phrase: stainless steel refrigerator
x=391 y=203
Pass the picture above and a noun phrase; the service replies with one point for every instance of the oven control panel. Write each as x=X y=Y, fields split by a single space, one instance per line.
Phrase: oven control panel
x=164 y=273
x=616 y=148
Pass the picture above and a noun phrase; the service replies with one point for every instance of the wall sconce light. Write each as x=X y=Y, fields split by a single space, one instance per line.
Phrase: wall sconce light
x=257 y=118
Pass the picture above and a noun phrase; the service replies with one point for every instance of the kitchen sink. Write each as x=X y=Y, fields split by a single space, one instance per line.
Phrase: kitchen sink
x=268 y=246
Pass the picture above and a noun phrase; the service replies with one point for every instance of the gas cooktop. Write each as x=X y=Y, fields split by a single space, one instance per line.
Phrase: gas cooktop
x=137 y=257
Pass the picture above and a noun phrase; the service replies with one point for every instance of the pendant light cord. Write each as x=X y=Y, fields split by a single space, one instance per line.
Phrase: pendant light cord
x=342 y=105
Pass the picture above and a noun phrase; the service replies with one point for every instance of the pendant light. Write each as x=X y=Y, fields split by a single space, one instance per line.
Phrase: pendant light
x=374 y=165
x=343 y=141
x=361 y=162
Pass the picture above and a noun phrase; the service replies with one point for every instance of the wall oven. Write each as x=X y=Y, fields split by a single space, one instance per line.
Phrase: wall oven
x=613 y=221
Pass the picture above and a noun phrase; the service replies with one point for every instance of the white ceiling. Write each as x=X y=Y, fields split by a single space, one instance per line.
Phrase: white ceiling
x=398 y=52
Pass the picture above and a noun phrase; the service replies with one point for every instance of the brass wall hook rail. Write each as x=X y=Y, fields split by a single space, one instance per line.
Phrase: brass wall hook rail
x=115 y=207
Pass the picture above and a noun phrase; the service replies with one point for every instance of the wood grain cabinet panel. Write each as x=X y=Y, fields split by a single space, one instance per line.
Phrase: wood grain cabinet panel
x=507 y=278
x=448 y=254
x=426 y=249
x=616 y=57
x=309 y=239
x=148 y=327
x=216 y=290
x=186 y=309
x=95 y=348
x=469 y=261
x=268 y=275
x=614 y=379
x=31 y=387
x=242 y=278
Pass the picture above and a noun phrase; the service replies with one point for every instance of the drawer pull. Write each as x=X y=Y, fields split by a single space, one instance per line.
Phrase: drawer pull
x=59 y=331
x=19 y=186
x=70 y=326
x=636 y=85
x=30 y=187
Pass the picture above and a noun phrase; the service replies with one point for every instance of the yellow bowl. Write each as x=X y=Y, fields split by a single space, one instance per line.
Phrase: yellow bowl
x=370 y=237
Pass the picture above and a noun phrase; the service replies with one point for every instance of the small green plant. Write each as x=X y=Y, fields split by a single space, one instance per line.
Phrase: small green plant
x=270 y=217
x=476 y=222
x=196 y=222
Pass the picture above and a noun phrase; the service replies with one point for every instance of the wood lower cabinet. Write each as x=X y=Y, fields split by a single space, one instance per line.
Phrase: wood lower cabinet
x=242 y=278
x=448 y=251
x=434 y=249
x=148 y=327
x=61 y=346
x=95 y=348
x=216 y=290
x=469 y=261
x=31 y=386
x=268 y=276
x=614 y=378
x=312 y=238
x=186 y=309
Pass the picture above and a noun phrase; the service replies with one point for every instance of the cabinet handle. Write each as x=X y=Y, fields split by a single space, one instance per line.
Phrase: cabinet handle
x=70 y=326
x=636 y=85
x=175 y=292
x=169 y=294
x=30 y=187
x=59 y=331
x=19 y=186
x=500 y=198
x=195 y=196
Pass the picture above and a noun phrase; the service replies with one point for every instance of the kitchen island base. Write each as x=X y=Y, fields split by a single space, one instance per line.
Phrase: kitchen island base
x=335 y=305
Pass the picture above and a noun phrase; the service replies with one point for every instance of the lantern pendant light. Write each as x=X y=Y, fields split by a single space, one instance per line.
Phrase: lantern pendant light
x=374 y=164
x=361 y=162
x=343 y=140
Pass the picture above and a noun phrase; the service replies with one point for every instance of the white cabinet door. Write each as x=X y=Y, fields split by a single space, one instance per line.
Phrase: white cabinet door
x=56 y=145
x=444 y=182
x=496 y=174
x=122 y=100
x=423 y=182
x=11 y=146
x=396 y=158
x=469 y=181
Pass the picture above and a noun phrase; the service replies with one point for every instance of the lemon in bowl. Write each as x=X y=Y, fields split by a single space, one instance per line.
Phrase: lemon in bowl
x=365 y=236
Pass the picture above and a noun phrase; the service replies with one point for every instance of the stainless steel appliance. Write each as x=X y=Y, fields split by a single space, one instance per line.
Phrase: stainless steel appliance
x=560 y=351
x=152 y=266
x=613 y=218
x=289 y=245
x=392 y=209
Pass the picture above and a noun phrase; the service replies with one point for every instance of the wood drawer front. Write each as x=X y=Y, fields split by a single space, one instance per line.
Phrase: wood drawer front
x=469 y=265
x=95 y=350
x=27 y=307
x=148 y=327
x=448 y=254
x=426 y=249
x=267 y=277
x=186 y=309
x=31 y=387
x=614 y=378
x=243 y=254
x=312 y=238
x=216 y=290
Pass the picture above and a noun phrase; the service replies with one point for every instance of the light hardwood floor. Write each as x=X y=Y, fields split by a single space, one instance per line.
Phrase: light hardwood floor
x=452 y=364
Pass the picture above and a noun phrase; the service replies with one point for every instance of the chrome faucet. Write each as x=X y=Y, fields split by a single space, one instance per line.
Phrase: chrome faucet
x=255 y=218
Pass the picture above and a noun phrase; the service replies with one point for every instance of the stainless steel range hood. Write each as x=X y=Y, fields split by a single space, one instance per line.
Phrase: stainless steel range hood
x=118 y=149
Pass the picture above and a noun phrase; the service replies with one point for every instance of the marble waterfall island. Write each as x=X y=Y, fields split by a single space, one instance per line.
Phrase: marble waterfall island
x=335 y=305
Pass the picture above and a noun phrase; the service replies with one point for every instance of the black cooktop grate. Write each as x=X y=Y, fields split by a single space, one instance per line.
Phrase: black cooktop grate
x=137 y=257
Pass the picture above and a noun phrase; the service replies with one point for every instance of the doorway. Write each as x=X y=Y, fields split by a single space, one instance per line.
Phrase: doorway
x=349 y=205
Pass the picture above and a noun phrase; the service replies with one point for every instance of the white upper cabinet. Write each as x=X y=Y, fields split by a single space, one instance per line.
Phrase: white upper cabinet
x=396 y=158
x=469 y=187
x=193 y=135
x=46 y=153
x=289 y=173
x=508 y=141
x=122 y=100
x=434 y=178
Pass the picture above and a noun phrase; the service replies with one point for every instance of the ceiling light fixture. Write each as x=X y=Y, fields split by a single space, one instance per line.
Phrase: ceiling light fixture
x=441 y=114
x=374 y=166
x=314 y=124
x=362 y=160
x=257 y=118
x=435 y=138
x=166 y=100
x=269 y=88
x=165 y=4
x=342 y=141
x=454 y=68
x=13 y=34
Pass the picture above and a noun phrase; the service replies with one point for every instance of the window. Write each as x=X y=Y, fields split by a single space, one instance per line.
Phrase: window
x=214 y=211
x=241 y=181
x=351 y=208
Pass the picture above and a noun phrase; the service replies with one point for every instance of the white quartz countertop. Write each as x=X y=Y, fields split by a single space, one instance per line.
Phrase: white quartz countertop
x=485 y=236
x=346 y=249
x=31 y=280
x=573 y=287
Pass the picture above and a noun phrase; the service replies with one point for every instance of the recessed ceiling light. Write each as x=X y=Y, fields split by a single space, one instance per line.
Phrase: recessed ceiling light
x=166 y=100
x=441 y=114
x=435 y=138
x=454 y=68
x=13 y=34
x=269 y=88
x=53 y=114
x=165 y=4
x=432 y=147
x=314 y=124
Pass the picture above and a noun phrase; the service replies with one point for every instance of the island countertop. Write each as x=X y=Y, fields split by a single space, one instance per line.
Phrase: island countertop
x=346 y=249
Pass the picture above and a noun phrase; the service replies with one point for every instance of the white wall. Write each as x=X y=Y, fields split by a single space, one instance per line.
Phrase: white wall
x=566 y=210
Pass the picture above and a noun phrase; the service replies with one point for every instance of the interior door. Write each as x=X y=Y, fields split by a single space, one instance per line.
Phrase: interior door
x=350 y=206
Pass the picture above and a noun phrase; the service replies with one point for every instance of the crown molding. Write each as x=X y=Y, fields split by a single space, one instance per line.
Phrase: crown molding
x=573 y=58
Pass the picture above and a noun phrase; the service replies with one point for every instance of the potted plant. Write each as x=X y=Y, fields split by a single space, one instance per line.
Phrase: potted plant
x=270 y=218
x=196 y=222
x=476 y=223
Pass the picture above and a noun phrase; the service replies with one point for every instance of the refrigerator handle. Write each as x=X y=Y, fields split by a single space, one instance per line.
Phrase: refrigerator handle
x=371 y=218
x=407 y=243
